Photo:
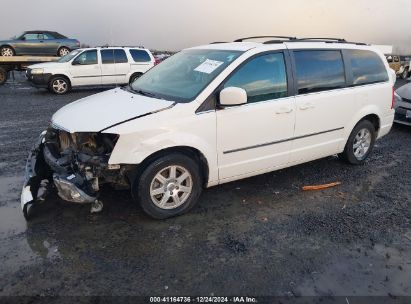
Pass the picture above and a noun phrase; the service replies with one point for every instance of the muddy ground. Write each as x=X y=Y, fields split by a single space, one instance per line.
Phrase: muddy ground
x=258 y=236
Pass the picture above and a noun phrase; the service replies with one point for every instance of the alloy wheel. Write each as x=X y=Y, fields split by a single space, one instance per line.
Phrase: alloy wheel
x=64 y=52
x=60 y=86
x=171 y=187
x=362 y=143
x=7 y=52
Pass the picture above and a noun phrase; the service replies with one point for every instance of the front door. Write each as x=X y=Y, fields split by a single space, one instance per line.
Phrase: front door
x=85 y=69
x=31 y=44
x=256 y=137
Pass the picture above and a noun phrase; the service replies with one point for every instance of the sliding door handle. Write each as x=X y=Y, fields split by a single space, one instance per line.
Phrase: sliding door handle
x=307 y=106
x=284 y=110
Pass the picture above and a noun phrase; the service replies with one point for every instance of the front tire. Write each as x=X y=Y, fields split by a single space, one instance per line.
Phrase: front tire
x=360 y=143
x=7 y=51
x=169 y=186
x=59 y=85
x=63 y=51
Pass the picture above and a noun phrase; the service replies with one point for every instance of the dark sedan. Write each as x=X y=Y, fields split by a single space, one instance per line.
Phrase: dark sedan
x=403 y=105
x=38 y=43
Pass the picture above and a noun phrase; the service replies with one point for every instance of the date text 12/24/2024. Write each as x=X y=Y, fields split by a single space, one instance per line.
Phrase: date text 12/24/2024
x=208 y=299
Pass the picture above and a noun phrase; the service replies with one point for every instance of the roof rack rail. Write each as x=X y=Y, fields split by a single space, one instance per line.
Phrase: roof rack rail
x=329 y=40
x=258 y=37
x=217 y=42
x=324 y=39
x=121 y=46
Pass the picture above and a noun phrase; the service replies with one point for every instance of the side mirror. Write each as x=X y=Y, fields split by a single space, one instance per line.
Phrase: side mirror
x=233 y=96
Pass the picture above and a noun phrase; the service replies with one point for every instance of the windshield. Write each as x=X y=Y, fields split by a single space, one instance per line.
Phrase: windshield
x=69 y=56
x=17 y=36
x=183 y=76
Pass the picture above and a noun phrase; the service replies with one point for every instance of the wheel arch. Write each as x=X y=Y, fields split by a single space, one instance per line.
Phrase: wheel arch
x=191 y=152
x=374 y=119
x=60 y=75
x=134 y=73
x=370 y=113
x=10 y=46
x=63 y=46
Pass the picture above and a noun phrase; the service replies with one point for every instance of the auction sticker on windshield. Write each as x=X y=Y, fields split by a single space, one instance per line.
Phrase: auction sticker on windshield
x=208 y=66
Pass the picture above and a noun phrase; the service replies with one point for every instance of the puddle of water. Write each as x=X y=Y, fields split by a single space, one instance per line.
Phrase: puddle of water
x=12 y=221
x=363 y=272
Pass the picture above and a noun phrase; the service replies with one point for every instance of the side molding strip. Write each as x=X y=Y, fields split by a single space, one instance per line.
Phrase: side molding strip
x=280 y=141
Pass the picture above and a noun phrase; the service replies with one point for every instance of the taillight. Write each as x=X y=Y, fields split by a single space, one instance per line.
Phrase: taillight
x=393 y=98
x=156 y=61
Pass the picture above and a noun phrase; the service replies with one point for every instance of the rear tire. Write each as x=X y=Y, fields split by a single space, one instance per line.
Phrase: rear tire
x=169 y=186
x=7 y=51
x=134 y=77
x=360 y=143
x=63 y=51
x=3 y=76
x=59 y=85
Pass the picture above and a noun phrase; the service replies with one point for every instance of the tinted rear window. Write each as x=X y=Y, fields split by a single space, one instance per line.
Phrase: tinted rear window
x=319 y=71
x=113 y=56
x=140 y=55
x=367 y=67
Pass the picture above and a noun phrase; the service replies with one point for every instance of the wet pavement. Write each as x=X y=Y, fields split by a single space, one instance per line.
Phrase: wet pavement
x=258 y=236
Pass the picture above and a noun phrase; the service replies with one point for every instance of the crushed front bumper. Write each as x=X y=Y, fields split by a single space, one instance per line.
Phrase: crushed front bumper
x=44 y=173
x=36 y=178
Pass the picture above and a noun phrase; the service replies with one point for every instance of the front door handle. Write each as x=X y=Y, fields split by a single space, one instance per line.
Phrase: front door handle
x=284 y=110
x=307 y=106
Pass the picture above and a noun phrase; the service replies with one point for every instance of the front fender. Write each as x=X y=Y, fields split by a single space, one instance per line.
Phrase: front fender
x=133 y=149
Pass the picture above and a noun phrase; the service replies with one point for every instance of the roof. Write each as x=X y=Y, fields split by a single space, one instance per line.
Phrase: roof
x=112 y=47
x=232 y=46
x=288 y=42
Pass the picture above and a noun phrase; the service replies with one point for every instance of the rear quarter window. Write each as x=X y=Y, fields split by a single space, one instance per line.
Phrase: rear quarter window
x=367 y=67
x=140 y=55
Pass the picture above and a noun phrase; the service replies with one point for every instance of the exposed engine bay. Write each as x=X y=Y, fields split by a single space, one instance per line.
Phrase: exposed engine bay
x=74 y=164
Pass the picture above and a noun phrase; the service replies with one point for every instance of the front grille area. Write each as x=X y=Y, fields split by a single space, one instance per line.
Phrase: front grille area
x=65 y=140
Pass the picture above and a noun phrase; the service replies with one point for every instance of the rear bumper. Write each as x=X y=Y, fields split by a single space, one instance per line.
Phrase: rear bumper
x=40 y=80
x=386 y=124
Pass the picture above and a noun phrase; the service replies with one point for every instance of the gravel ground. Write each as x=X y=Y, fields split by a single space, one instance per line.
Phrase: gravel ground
x=259 y=236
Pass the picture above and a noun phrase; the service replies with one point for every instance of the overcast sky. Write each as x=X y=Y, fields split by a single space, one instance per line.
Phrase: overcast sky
x=176 y=24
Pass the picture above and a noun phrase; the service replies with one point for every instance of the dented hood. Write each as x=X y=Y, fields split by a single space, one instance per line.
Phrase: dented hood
x=100 y=111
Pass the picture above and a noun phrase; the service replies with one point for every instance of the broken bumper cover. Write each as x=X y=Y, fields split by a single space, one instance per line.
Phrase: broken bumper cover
x=42 y=171
x=35 y=185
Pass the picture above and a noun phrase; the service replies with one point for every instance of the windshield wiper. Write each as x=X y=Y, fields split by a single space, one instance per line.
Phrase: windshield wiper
x=144 y=93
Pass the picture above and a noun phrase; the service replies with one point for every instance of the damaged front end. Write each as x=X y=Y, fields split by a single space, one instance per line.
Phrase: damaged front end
x=74 y=164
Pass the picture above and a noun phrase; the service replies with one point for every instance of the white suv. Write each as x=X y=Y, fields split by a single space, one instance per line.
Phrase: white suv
x=214 y=114
x=91 y=67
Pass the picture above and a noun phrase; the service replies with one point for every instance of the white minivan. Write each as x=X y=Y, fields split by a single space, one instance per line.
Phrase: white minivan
x=214 y=114
x=91 y=67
